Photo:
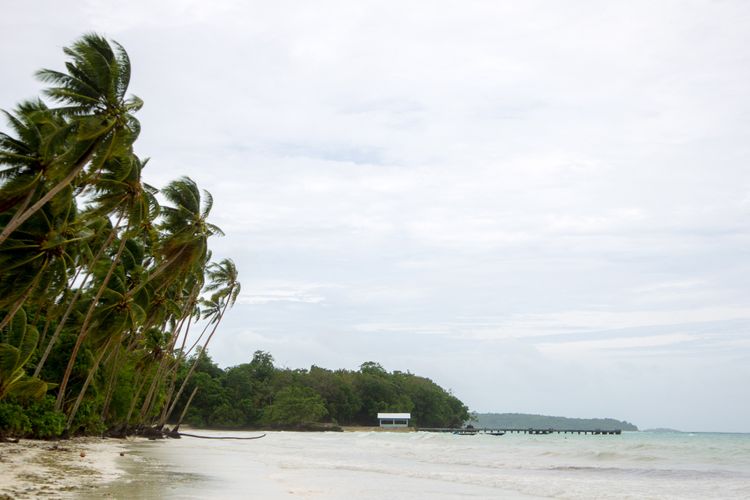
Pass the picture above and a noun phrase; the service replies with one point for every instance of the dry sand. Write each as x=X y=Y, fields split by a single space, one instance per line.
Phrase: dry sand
x=57 y=469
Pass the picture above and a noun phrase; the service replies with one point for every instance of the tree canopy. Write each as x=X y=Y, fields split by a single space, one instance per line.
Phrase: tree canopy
x=257 y=394
x=100 y=283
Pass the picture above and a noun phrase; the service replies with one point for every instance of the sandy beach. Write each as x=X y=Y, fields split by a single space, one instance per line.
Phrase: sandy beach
x=58 y=469
x=375 y=465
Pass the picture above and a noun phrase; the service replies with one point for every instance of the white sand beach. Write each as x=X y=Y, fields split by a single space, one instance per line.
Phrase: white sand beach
x=58 y=469
x=375 y=465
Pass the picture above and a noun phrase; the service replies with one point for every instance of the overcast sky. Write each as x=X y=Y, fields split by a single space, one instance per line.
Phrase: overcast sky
x=543 y=206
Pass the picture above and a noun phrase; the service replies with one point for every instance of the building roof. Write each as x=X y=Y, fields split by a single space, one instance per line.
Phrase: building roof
x=394 y=415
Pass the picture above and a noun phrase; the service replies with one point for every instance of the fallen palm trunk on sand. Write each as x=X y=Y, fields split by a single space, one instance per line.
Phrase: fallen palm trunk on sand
x=180 y=434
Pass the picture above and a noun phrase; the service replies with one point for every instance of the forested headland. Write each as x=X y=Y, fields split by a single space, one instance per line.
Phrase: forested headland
x=257 y=394
x=529 y=421
x=109 y=296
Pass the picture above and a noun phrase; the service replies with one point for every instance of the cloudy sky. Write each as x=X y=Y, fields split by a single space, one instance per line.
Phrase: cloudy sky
x=543 y=206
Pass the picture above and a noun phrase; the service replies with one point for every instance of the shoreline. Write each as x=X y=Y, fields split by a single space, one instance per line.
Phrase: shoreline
x=59 y=468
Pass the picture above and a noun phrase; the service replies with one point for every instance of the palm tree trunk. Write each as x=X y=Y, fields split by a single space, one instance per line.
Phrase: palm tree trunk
x=150 y=395
x=17 y=305
x=75 y=298
x=116 y=369
x=13 y=224
x=173 y=372
x=85 y=328
x=43 y=336
x=89 y=378
x=111 y=383
x=184 y=410
x=136 y=396
x=23 y=204
x=195 y=363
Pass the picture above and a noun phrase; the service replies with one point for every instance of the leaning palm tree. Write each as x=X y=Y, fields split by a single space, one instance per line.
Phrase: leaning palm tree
x=39 y=258
x=226 y=287
x=93 y=93
x=185 y=229
x=122 y=193
x=40 y=137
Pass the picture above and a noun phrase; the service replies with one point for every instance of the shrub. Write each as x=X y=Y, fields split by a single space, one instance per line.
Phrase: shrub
x=13 y=420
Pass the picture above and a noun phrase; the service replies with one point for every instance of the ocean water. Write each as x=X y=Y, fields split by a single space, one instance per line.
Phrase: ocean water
x=380 y=465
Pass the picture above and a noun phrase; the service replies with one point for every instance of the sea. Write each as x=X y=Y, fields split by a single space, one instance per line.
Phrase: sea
x=414 y=465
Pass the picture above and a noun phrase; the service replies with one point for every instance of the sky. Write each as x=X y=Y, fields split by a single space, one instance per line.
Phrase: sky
x=542 y=206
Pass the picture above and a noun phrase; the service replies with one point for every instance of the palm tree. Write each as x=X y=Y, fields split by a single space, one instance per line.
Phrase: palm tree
x=93 y=92
x=41 y=255
x=185 y=229
x=121 y=192
x=28 y=157
x=226 y=287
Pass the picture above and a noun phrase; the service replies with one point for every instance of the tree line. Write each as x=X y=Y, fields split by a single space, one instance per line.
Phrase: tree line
x=258 y=394
x=100 y=283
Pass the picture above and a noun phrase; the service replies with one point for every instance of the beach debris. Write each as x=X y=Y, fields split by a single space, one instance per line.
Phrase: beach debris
x=221 y=437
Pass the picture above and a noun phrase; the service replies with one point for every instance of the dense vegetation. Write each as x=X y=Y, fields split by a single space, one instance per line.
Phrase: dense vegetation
x=528 y=421
x=257 y=394
x=99 y=282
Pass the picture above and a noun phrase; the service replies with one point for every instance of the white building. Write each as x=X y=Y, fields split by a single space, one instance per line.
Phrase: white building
x=394 y=419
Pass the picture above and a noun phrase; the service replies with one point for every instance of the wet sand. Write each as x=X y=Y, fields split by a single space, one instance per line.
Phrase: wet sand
x=58 y=469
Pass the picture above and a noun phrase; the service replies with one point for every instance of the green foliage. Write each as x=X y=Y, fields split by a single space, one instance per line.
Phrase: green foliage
x=46 y=422
x=258 y=394
x=295 y=406
x=38 y=419
x=97 y=278
x=17 y=346
x=13 y=420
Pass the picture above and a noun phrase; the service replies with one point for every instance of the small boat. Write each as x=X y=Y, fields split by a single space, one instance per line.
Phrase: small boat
x=495 y=433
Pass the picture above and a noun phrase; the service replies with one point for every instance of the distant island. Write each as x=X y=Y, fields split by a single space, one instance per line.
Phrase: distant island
x=529 y=421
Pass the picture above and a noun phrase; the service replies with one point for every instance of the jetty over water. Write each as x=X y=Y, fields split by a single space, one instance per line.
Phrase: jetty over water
x=500 y=432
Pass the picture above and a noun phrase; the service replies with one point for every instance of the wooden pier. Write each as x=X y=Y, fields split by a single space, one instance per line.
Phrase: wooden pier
x=500 y=432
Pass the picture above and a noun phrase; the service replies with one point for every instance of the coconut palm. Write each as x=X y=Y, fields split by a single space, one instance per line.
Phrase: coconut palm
x=120 y=192
x=226 y=288
x=16 y=348
x=41 y=135
x=93 y=94
x=41 y=255
x=185 y=229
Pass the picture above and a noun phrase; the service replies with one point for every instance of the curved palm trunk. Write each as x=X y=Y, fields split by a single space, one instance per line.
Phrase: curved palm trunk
x=195 y=363
x=172 y=373
x=89 y=378
x=19 y=303
x=74 y=300
x=85 y=328
x=151 y=395
x=184 y=410
x=116 y=369
x=21 y=218
x=187 y=353
x=111 y=383
x=136 y=396
x=23 y=205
